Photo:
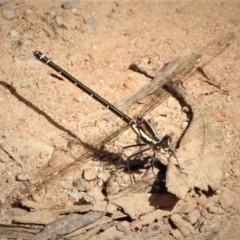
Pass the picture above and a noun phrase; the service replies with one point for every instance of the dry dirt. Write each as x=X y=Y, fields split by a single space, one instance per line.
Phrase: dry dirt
x=49 y=122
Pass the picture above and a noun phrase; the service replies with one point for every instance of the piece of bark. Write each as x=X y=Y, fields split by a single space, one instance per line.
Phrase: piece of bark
x=67 y=224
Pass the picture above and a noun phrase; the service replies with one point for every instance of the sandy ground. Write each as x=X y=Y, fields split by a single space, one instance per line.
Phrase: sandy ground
x=96 y=41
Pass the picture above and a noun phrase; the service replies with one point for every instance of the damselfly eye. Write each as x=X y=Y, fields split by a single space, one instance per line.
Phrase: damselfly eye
x=156 y=147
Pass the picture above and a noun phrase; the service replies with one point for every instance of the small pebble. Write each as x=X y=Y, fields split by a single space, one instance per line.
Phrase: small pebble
x=184 y=227
x=193 y=216
x=63 y=121
x=96 y=193
x=74 y=195
x=8 y=13
x=13 y=33
x=90 y=174
x=22 y=176
x=185 y=109
x=78 y=99
x=81 y=185
x=112 y=186
x=184 y=124
x=69 y=5
x=26 y=84
x=215 y=209
x=218 y=192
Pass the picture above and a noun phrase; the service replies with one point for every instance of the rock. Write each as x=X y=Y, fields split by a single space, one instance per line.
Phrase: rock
x=112 y=186
x=81 y=185
x=69 y=5
x=136 y=205
x=96 y=193
x=184 y=227
x=74 y=195
x=8 y=13
x=193 y=216
x=26 y=84
x=22 y=176
x=215 y=209
x=100 y=206
x=13 y=33
x=90 y=174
